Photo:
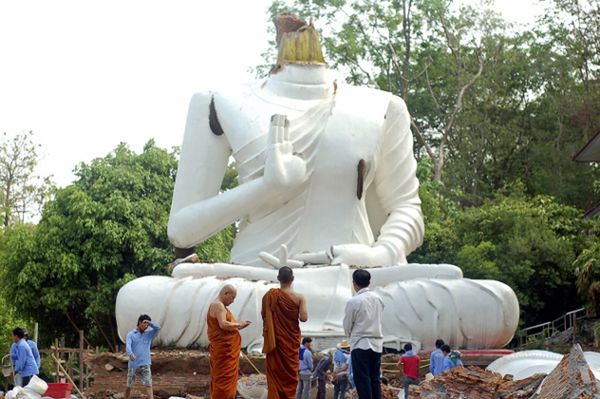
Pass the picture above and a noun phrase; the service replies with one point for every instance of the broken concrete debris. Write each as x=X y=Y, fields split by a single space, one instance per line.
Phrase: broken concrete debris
x=475 y=383
x=571 y=379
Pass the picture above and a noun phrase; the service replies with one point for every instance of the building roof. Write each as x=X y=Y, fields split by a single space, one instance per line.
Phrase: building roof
x=591 y=151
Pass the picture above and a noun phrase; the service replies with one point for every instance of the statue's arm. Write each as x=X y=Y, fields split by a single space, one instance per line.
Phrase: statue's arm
x=197 y=210
x=397 y=186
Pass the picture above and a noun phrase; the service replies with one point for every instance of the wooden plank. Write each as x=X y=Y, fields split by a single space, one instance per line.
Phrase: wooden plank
x=81 y=364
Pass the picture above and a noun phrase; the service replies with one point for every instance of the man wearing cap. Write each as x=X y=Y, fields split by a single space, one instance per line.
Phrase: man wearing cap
x=320 y=374
x=340 y=370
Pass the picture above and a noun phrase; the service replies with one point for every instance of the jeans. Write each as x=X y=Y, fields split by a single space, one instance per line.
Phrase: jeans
x=303 y=391
x=366 y=370
x=408 y=381
x=26 y=380
x=321 y=388
x=339 y=389
x=144 y=372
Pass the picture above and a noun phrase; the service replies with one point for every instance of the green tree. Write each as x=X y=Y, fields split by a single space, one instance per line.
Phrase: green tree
x=528 y=243
x=98 y=233
x=588 y=278
x=22 y=191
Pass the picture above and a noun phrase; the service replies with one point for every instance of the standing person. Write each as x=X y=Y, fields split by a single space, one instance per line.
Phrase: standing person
x=225 y=345
x=321 y=373
x=305 y=372
x=451 y=358
x=340 y=370
x=362 y=322
x=23 y=360
x=138 y=345
x=34 y=350
x=282 y=310
x=436 y=359
x=410 y=366
x=18 y=380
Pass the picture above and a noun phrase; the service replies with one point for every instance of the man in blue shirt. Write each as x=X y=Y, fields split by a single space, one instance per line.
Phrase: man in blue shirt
x=306 y=369
x=24 y=363
x=138 y=345
x=451 y=358
x=340 y=370
x=436 y=359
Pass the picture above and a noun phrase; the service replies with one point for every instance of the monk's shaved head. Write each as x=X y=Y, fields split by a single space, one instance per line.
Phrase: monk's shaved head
x=226 y=289
x=285 y=275
x=227 y=294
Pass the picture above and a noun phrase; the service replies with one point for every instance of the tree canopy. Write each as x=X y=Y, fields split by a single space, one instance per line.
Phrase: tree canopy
x=98 y=233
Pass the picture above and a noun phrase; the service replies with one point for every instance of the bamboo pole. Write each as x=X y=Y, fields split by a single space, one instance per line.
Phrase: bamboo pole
x=251 y=363
x=81 y=365
x=56 y=355
x=57 y=361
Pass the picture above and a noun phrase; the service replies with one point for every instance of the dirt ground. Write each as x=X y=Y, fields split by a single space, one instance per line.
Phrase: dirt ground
x=181 y=373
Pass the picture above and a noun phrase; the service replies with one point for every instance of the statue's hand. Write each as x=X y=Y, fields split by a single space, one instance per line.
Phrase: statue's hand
x=282 y=260
x=361 y=255
x=283 y=169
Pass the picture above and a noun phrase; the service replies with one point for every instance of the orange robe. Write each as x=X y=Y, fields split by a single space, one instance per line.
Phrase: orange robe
x=281 y=342
x=224 y=358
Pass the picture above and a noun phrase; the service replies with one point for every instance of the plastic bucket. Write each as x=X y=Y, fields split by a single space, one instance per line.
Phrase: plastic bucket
x=58 y=390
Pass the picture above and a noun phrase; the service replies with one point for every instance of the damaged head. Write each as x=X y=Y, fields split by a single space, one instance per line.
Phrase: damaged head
x=297 y=41
x=227 y=294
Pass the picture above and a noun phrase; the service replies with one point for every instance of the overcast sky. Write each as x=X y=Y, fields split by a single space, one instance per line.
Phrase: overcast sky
x=86 y=75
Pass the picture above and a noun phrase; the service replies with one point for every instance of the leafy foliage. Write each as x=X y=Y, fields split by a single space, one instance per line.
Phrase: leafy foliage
x=23 y=192
x=588 y=278
x=102 y=231
x=528 y=243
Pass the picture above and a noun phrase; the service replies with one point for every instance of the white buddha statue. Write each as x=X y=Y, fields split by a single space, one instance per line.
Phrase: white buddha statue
x=327 y=183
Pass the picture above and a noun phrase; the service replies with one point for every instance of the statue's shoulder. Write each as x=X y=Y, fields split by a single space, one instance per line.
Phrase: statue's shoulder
x=226 y=96
x=367 y=102
x=372 y=94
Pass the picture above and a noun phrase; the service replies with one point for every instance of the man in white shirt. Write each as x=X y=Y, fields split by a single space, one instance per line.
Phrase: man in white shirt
x=362 y=322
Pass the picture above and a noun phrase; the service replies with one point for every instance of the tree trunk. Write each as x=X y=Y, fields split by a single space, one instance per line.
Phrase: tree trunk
x=438 y=166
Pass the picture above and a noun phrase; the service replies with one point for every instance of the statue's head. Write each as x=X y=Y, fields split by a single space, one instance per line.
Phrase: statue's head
x=297 y=41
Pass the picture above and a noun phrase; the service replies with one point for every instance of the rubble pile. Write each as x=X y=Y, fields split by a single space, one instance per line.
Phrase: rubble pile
x=387 y=392
x=476 y=383
x=572 y=378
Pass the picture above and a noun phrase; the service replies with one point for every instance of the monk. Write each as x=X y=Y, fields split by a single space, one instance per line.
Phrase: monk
x=282 y=309
x=225 y=345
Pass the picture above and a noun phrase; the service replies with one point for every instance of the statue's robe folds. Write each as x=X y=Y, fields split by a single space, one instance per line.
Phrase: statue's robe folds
x=282 y=336
x=336 y=205
x=225 y=349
